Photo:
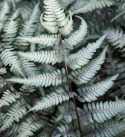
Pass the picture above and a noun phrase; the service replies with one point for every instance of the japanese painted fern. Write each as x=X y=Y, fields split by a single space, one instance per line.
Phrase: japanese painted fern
x=50 y=81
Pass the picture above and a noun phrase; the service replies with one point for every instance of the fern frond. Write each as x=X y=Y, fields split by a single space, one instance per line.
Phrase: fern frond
x=3 y=13
x=29 y=27
x=46 y=79
x=46 y=40
x=29 y=67
x=67 y=130
x=65 y=4
x=15 y=113
x=77 y=36
x=10 y=28
x=110 y=128
x=54 y=17
x=9 y=57
x=29 y=127
x=100 y=112
x=91 y=92
x=8 y=98
x=82 y=57
x=52 y=56
x=58 y=96
x=2 y=71
x=87 y=72
x=13 y=130
x=66 y=113
x=2 y=83
x=93 y=4
x=114 y=36
x=77 y=5
x=122 y=5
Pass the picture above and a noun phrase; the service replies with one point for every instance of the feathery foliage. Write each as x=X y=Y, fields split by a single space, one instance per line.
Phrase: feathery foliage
x=62 y=74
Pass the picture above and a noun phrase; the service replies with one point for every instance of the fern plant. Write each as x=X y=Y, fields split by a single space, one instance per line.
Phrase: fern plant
x=51 y=81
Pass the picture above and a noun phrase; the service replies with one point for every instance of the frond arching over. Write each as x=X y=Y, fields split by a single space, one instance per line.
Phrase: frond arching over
x=77 y=36
x=82 y=57
x=45 y=79
x=54 y=18
x=91 y=92
x=87 y=72
x=52 y=56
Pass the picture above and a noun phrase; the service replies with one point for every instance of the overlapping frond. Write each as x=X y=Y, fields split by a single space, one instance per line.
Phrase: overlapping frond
x=110 y=128
x=77 y=36
x=52 y=56
x=46 y=40
x=2 y=71
x=5 y=9
x=114 y=36
x=82 y=57
x=100 y=112
x=45 y=79
x=93 y=4
x=65 y=4
x=29 y=67
x=29 y=26
x=9 y=97
x=54 y=18
x=9 y=57
x=29 y=127
x=59 y=95
x=10 y=28
x=87 y=72
x=15 y=113
x=92 y=92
